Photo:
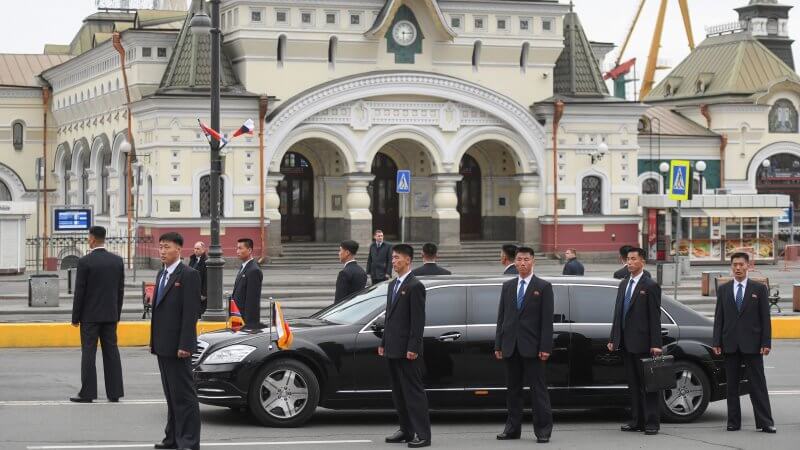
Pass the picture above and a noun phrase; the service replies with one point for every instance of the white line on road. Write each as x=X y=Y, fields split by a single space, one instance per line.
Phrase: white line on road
x=205 y=444
x=67 y=402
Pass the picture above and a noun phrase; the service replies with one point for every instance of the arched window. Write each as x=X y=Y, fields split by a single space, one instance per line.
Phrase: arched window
x=650 y=186
x=523 y=57
x=332 y=51
x=592 y=195
x=205 y=196
x=65 y=176
x=783 y=117
x=17 y=130
x=5 y=192
x=105 y=199
x=123 y=183
x=281 y=49
x=476 y=54
x=85 y=177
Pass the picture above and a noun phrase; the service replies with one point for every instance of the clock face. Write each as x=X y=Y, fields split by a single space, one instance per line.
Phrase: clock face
x=404 y=33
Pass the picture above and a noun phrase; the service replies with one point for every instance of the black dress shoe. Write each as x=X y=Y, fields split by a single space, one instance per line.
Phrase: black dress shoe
x=162 y=445
x=630 y=428
x=543 y=440
x=769 y=429
x=80 y=400
x=419 y=443
x=732 y=428
x=399 y=437
x=505 y=436
x=651 y=431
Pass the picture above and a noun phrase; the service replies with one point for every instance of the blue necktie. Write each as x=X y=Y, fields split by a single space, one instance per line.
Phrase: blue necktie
x=520 y=294
x=628 y=297
x=161 y=287
x=739 y=298
x=396 y=290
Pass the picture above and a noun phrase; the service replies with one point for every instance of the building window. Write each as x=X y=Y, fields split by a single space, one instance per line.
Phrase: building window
x=562 y=203
x=205 y=196
x=355 y=19
x=524 y=24
x=592 y=195
x=5 y=192
x=523 y=57
x=147 y=52
x=306 y=18
x=105 y=199
x=650 y=186
x=479 y=23
x=332 y=44
x=502 y=24
x=162 y=52
x=174 y=206
x=18 y=132
x=456 y=22
x=783 y=117
x=281 y=16
x=84 y=178
x=331 y=18
x=281 y=49
x=547 y=25
x=476 y=54
x=249 y=205
x=624 y=203
x=255 y=16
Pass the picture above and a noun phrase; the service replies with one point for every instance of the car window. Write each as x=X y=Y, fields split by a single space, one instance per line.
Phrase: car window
x=593 y=304
x=484 y=302
x=357 y=309
x=446 y=306
x=665 y=320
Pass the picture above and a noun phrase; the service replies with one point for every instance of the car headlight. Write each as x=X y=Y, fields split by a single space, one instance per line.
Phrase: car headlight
x=230 y=354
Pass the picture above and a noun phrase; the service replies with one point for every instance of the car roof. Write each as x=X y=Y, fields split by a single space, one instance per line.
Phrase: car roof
x=445 y=280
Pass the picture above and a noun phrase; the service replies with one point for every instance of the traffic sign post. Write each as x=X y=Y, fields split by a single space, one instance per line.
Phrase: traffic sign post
x=680 y=188
x=403 y=188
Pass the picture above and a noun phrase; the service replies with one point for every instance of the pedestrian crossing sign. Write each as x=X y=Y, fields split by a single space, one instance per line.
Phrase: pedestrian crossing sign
x=403 y=181
x=680 y=187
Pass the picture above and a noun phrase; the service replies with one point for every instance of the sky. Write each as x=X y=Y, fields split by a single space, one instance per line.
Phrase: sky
x=32 y=23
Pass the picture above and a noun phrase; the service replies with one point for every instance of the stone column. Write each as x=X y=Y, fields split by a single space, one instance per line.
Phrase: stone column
x=358 y=218
x=272 y=201
x=446 y=219
x=528 y=227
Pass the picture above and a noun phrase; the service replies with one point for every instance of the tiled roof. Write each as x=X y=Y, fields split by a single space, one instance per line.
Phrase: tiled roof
x=666 y=122
x=22 y=70
x=576 y=73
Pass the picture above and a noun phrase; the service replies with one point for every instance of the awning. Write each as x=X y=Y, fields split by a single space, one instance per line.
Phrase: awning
x=731 y=212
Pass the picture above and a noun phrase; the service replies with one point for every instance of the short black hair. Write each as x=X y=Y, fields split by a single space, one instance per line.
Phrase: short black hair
x=638 y=250
x=247 y=242
x=429 y=249
x=98 y=232
x=510 y=250
x=524 y=249
x=349 y=245
x=624 y=250
x=742 y=255
x=404 y=249
x=172 y=236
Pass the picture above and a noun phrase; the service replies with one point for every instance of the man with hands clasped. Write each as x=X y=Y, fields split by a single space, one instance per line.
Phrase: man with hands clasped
x=524 y=342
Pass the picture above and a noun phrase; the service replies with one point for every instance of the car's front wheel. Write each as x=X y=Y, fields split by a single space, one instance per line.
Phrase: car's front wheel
x=689 y=399
x=285 y=393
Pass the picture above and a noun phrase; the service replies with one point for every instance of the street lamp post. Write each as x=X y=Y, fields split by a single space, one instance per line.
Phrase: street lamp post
x=663 y=168
x=700 y=167
x=200 y=25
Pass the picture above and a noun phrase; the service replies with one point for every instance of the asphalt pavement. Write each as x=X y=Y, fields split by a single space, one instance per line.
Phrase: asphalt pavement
x=35 y=414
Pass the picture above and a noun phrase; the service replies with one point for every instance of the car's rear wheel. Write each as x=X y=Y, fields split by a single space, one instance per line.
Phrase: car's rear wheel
x=689 y=399
x=285 y=393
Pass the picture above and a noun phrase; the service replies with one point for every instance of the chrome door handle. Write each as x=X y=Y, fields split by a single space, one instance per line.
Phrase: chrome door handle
x=664 y=332
x=449 y=337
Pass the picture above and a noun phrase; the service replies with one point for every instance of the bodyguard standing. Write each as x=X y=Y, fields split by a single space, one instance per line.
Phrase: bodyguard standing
x=198 y=262
x=508 y=254
x=352 y=277
x=524 y=341
x=429 y=266
x=743 y=333
x=623 y=271
x=379 y=261
x=96 y=308
x=173 y=339
x=636 y=332
x=401 y=345
x=247 y=286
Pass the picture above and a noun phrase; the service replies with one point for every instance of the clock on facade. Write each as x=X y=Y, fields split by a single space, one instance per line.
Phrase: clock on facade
x=404 y=33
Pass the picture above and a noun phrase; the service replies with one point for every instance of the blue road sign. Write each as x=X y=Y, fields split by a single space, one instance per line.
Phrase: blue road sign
x=403 y=181
x=786 y=217
x=679 y=180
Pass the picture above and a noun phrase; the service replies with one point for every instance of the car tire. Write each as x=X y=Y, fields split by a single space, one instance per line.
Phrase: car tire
x=689 y=399
x=284 y=394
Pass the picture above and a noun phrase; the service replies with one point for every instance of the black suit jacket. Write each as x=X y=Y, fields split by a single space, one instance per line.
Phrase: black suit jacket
x=623 y=272
x=511 y=270
x=529 y=330
x=642 y=330
x=405 y=319
x=351 y=278
x=247 y=293
x=379 y=261
x=430 y=269
x=573 y=267
x=173 y=325
x=199 y=264
x=749 y=330
x=99 y=288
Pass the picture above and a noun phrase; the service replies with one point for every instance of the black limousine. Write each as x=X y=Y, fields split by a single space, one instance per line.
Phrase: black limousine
x=333 y=361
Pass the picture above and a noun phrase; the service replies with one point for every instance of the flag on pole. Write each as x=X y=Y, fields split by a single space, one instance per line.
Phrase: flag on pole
x=211 y=133
x=246 y=128
x=282 y=328
x=235 y=316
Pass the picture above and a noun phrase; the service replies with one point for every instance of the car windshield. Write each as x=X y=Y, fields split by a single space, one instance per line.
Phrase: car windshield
x=356 y=309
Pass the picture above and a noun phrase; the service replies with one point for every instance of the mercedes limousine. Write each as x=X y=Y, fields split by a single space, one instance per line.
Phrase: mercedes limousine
x=333 y=360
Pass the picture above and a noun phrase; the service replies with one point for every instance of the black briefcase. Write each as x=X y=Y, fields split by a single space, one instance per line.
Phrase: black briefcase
x=658 y=373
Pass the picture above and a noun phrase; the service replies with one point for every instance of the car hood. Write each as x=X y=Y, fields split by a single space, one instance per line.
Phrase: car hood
x=230 y=337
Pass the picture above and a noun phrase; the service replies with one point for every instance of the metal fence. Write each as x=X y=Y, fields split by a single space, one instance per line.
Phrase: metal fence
x=63 y=251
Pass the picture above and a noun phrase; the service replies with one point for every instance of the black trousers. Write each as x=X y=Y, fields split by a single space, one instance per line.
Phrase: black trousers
x=528 y=372
x=112 y=366
x=183 y=410
x=378 y=279
x=644 y=405
x=759 y=396
x=409 y=397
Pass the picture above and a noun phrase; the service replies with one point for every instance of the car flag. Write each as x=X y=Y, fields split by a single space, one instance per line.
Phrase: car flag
x=282 y=328
x=246 y=128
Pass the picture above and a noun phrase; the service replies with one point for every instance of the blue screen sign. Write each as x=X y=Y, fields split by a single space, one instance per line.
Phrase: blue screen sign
x=66 y=220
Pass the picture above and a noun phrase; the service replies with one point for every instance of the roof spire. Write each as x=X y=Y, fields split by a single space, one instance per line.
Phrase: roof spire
x=576 y=73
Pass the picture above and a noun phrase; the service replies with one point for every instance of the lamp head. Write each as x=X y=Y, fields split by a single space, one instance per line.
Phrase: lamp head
x=200 y=24
x=766 y=163
x=602 y=148
x=125 y=147
x=700 y=166
x=663 y=167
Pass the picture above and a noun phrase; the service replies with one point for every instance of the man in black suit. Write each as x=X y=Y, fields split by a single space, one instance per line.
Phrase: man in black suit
x=623 y=258
x=572 y=266
x=379 y=261
x=198 y=262
x=96 y=308
x=401 y=345
x=524 y=341
x=173 y=339
x=247 y=286
x=508 y=254
x=743 y=333
x=429 y=266
x=636 y=332
x=352 y=277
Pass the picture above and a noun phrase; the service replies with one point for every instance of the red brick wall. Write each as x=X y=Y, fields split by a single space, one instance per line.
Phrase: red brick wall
x=573 y=235
x=192 y=235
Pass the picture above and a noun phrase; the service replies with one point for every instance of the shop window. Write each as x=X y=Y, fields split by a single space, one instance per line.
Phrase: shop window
x=783 y=117
x=592 y=195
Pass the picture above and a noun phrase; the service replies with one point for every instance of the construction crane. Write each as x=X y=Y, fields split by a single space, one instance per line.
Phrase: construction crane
x=621 y=69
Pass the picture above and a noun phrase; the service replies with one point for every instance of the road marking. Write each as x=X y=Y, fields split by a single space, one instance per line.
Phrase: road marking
x=784 y=392
x=67 y=402
x=204 y=444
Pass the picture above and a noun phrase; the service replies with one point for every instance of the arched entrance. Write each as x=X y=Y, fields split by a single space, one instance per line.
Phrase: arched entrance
x=469 y=198
x=296 y=192
x=385 y=200
x=781 y=177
